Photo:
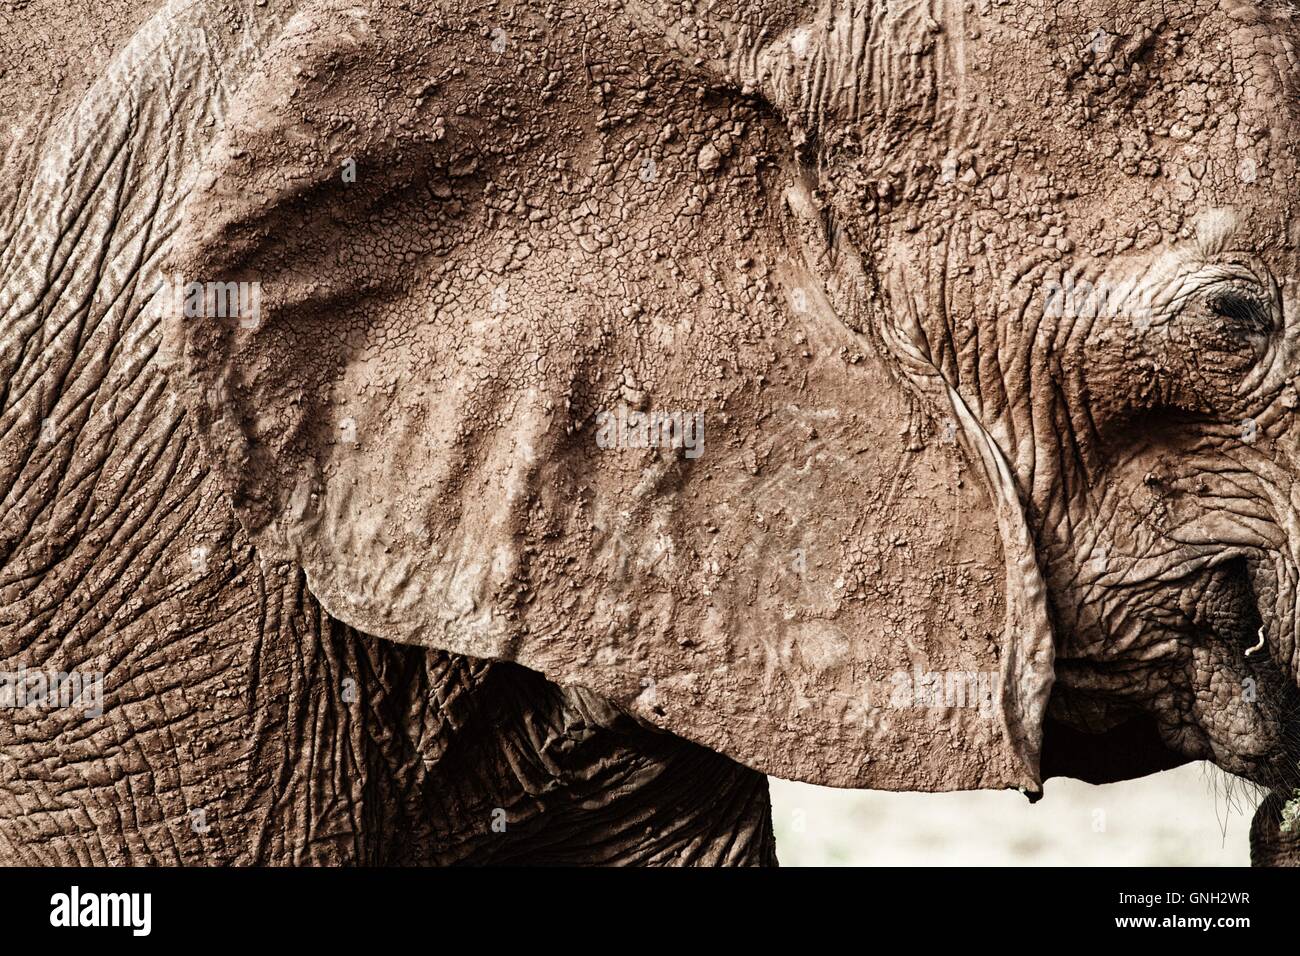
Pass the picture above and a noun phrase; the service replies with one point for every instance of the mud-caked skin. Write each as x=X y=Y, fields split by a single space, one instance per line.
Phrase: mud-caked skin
x=250 y=728
x=989 y=311
x=239 y=723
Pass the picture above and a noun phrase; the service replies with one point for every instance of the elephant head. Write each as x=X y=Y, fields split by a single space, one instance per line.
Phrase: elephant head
x=830 y=383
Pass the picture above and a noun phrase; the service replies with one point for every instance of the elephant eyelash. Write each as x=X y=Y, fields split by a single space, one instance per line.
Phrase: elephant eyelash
x=1239 y=306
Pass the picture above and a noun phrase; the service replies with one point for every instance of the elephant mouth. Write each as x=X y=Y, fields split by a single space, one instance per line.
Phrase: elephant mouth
x=1252 y=712
x=1209 y=642
x=1229 y=608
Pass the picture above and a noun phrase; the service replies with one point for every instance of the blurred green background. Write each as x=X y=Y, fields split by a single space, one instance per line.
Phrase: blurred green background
x=1195 y=815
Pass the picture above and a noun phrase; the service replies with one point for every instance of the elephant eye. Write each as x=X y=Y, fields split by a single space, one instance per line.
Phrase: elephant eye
x=1240 y=307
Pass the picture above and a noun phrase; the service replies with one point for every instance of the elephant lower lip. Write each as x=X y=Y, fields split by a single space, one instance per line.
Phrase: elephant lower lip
x=1278 y=772
x=1243 y=701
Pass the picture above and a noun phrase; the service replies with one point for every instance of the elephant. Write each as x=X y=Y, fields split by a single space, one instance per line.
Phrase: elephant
x=458 y=433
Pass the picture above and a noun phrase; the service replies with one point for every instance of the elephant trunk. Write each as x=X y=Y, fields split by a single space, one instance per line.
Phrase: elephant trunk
x=1274 y=833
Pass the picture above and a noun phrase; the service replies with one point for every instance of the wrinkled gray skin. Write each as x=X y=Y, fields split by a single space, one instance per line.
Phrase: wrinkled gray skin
x=1165 y=527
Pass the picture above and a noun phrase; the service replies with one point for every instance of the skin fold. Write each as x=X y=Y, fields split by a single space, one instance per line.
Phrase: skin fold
x=988 y=311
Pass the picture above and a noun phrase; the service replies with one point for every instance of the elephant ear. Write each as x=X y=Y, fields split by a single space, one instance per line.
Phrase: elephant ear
x=479 y=258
